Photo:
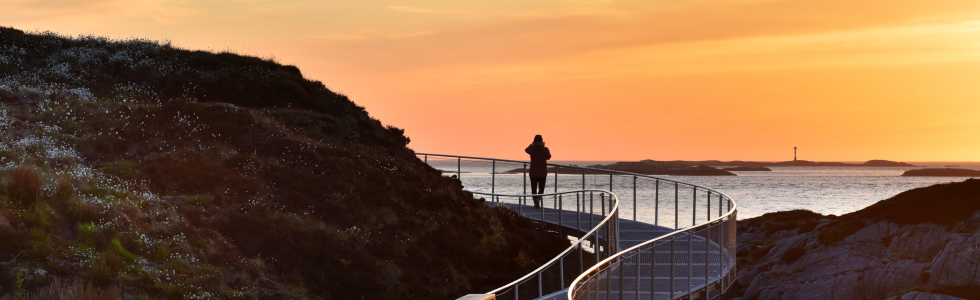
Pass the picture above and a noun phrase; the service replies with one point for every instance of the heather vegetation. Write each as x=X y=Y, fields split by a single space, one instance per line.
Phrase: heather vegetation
x=133 y=169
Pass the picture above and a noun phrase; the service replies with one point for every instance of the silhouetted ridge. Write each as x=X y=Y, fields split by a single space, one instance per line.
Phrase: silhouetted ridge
x=944 y=204
x=173 y=73
x=130 y=169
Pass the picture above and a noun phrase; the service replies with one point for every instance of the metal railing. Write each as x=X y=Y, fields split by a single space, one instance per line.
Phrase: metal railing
x=700 y=220
x=593 y=223
x=697 y=262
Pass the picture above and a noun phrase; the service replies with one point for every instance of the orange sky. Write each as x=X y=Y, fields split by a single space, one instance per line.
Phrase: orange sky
x=844 y=80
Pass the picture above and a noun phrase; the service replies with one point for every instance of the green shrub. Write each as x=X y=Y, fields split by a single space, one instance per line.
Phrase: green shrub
x=105 y=268
x=117 y=247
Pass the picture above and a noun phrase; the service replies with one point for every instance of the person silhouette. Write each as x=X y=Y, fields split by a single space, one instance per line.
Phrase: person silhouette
x=539 y=167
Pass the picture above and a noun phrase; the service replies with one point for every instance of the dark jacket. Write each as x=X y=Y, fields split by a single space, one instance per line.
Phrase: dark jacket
x=539 y=160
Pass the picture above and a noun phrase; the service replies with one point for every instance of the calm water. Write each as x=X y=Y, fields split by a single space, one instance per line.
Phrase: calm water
x=825 y=190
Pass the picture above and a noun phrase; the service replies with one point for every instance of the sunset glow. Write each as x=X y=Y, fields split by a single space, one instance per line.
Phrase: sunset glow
x=606 y=80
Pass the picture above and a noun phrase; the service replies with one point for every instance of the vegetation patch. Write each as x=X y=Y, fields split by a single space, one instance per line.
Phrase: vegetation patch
x=133 y=169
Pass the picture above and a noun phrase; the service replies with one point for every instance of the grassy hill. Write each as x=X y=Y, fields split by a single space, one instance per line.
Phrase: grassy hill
x=137 y=169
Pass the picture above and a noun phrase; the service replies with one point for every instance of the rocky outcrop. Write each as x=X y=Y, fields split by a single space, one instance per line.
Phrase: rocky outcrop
x=652 y=167
x=942 y=172
x=885 y=163
x=648 y=167
x=750 y=168
x=798 y=163
x=924 y=296
x=875 y=253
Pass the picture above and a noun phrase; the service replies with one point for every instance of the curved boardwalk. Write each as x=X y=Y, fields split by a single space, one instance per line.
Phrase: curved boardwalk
x=612 y=256
x=688 y=251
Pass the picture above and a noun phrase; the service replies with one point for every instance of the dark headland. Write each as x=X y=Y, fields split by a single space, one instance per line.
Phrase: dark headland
x=648 y=167
x=708 y=167
x=749 y=168
x=797 y=163
x=920 y=244
x=943 y=172
x=138 y=170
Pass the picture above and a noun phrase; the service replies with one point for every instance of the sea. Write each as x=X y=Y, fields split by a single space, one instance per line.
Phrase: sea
x=824 y=190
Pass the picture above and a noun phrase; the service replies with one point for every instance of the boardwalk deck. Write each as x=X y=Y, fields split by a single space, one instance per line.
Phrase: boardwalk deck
x=688 y=254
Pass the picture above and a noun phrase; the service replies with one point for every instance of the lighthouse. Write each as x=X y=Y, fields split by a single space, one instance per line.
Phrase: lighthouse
x=794 y=153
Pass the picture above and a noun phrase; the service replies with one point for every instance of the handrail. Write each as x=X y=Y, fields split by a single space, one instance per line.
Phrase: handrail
x=718 y=250
x=617 y=256
x=612 y=213
x=580 y=168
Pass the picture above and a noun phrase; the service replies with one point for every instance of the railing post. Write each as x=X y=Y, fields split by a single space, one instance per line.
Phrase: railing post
x=578 y=213
x=493 y=177
x=459 y=169
x=634 y=197
x=610 y=181
x=653 y=273
x=694 y=208
x=639 y=264
x=621 y=277
x=656 y=204
x=602 y=201
x=427 y=159
x=719 y=204
x=673 y=258
x=560 y=214
x=707 y=259
x=556 y=178
x=561 y=272
x=540 y=292
x=524 y=199
x=591 y=208
x=708 y=201
x=595 y=247
x=542 y=206
x=581 y=260
x=690 y=261
x=721 y=245
x=677 y=221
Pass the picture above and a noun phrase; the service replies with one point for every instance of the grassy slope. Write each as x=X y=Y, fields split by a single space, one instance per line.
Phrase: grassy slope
x=138 y=168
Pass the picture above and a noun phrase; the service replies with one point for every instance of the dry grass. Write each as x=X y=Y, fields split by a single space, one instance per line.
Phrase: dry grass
x=24 y=186
x=64 y=289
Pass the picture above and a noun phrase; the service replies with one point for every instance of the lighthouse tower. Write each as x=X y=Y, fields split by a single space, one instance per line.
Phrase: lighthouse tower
x=794 y=153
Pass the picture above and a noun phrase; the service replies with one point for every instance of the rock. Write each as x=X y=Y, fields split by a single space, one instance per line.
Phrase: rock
x=748 y=168
x=916 y=295
x=885 y=163
x=933 y=257
x=943 y=172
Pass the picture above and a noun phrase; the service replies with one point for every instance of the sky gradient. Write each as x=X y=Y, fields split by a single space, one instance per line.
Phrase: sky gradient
x=606 y=80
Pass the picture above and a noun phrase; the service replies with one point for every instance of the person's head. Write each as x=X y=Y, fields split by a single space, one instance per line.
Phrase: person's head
x=538 y=141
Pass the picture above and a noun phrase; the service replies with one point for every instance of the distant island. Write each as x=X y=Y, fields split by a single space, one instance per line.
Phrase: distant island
x=707 y=167
x=943 y=172
x=796 y=163
x=752 y=168
x=647 y=167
